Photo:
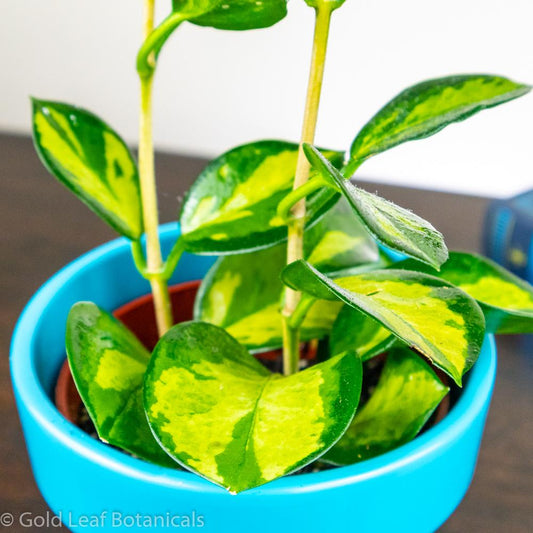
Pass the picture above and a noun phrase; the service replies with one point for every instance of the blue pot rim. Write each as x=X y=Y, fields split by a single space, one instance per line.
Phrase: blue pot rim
x=475 y=395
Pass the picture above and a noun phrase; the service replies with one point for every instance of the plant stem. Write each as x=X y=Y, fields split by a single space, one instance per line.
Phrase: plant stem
x=154 y=41
x=303 y=307
x=173 y=258
x=291 y=336
x=138 y=257
x=349 y=170
x=154 y=259
x=286 y=205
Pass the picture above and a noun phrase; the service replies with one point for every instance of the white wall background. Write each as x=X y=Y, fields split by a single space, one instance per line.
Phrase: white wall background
x=218 y=89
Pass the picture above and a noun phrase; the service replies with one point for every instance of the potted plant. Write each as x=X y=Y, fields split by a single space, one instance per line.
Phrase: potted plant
x=203 y=434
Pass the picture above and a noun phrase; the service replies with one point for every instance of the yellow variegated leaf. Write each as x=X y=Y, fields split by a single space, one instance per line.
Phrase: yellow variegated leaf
x=392 y=225
x=360 y=333
x=428 y=314
x=407 y=393
x=108 y=364
x=220 y=413
x=87 y=156
x=232 y=206
x=242 y=293
x=426 y=108
x=506 y=300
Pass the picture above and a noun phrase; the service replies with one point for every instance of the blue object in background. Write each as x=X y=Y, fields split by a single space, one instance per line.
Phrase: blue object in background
x=508 y=234
x=508 y=239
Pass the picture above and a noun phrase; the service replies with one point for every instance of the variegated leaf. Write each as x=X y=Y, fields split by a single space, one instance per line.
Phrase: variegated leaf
x=339 y=243
x=354 y=331
x=390 y=224
x=87 y=156
x=221 y=14
x=232 y=206
x=223 y=415
x=242 y=14
x=108 y=365
x=428 y=107
x=242 y=293
x=429 y=314
x=506 y=300
x=407 y=393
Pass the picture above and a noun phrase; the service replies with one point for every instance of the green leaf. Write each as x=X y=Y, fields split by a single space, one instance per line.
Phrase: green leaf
x=407 y=394
x=108 y=364
x=222 y=14
x=220 y=413
x=428 y=107
x=506 y=300
x=354 y=331
x=243 y=14
x=232 y=206
x=87 y=156
x=432 y=316
x=390 y=224
x=339 y=242
x=242 y=293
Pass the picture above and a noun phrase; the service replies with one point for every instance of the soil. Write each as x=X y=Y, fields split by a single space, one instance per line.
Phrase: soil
x=139 y=317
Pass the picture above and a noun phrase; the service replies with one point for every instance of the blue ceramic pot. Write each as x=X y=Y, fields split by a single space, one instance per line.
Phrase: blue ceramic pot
x=85 y=482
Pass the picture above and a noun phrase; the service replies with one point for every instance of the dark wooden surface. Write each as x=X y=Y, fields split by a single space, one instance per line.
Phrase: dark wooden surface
x=44 y=227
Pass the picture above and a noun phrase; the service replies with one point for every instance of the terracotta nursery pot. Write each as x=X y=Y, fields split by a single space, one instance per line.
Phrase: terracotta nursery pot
x=85 y=481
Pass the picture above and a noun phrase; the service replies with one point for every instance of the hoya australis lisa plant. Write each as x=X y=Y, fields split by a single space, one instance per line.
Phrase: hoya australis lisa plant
x=298 y=262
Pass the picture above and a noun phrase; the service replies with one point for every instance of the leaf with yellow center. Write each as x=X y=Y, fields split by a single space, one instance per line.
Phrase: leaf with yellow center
x=232 y=206
x=427 y=107
x=429 y=314
x=506 y=300
x=406 y=395
x=219 y=412
x=355 y=331
x=242 y=293
x=87 y=156
x=108 y=365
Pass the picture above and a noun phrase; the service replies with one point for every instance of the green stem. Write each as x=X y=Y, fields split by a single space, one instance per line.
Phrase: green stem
x=154 y=41
x=285 y=206
x=291 y=346
x=173 y=258
x=349 y=170
x=292 y=331
x=138 y=257
x=154 y=260
x=291 y=336
x=303 y=307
